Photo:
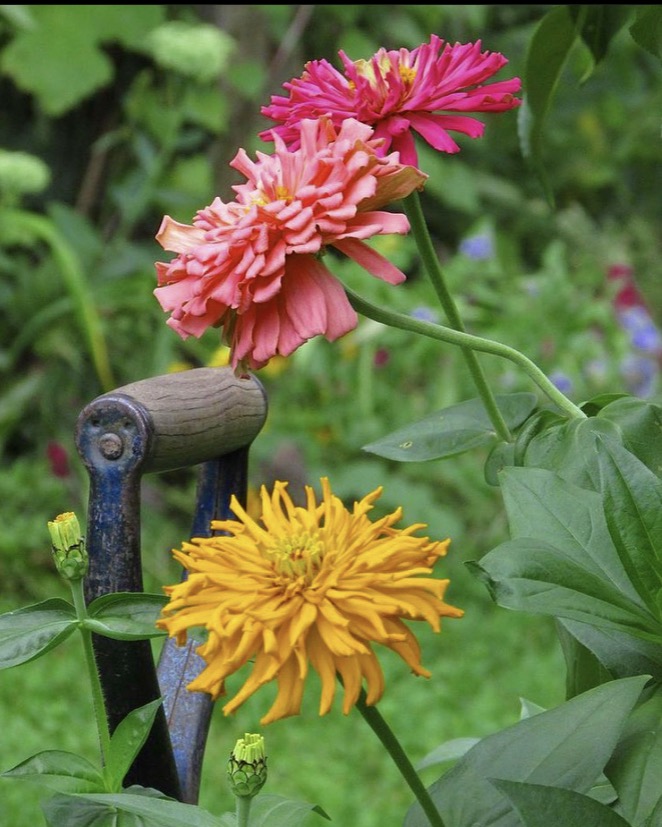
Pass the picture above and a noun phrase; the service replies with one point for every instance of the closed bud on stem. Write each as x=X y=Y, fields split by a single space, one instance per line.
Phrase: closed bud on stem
x=247 y=767
x=68 y=546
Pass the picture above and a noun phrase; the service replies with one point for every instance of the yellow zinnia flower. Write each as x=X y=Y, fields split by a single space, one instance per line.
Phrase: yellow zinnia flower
x=316 y=584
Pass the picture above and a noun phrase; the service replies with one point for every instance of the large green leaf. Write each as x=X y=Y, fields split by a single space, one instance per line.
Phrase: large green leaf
x=136 y=807
x=126 y=741
x=276 y=811
x=532 y=576
x=452 y=431
x=640 y=422
x=539 y=805
x=647 y=29
x=633 y=507
x=562 y=561
x=569 y=449
x=547 y=54
x=448 y=751
x=27 y=633
x=598 y=24
x=655 y=818
x=567 y=747
x=64 y=772
x=583 y=669
x=59 y=61
x=126 y=615
x=635 y=768
x=622 y=654
x=542 y=506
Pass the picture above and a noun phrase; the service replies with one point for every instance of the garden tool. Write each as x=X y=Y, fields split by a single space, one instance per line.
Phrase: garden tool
x=206 y=417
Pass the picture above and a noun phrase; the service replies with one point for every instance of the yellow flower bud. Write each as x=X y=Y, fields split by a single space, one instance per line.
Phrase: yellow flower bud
x=247 y=767
x=68 y=546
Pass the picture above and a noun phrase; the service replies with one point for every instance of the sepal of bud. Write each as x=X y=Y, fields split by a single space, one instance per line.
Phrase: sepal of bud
x=247 y=767
x=68 y=546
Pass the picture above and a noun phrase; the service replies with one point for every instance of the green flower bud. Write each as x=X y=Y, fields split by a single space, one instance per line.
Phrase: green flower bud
x=68 y=546
x=22 y=174
x=199 y=51
x=247 y=767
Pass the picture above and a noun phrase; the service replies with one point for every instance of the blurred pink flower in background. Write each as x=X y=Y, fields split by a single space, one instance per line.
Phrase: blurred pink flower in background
x=253 y=266
x=399 y=92
x=58 y=459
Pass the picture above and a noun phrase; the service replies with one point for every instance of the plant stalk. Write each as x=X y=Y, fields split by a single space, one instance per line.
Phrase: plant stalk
x=95 y=682
x=382 y=730
x=428 y=255
x=242 y=809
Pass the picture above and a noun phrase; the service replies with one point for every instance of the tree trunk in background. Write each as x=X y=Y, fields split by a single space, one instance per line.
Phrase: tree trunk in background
x=250 y=28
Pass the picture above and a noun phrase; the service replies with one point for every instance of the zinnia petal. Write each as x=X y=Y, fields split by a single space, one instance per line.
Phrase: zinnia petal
x=315 y=584
x=252 y=267
x=394 y=88
x=371 y=260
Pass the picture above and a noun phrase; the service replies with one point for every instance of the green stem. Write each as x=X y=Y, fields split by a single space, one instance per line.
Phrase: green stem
x=95 y=682
x=466 y=341
x=242 y=809
x=66 y=259
x=427 y=252
x=382 y=730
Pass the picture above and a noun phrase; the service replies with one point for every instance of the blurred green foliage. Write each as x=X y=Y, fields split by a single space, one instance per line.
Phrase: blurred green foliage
x=129 y=113
x=126 y=113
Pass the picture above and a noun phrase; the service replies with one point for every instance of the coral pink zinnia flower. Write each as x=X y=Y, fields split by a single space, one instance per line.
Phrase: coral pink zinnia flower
x=399 y=92
x=253 y=266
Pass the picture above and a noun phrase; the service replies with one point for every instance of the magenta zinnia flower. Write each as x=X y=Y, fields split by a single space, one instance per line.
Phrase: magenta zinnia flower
x=253 y=266
x=399 y=92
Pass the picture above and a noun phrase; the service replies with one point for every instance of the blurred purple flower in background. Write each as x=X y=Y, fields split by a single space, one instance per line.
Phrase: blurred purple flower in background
x=478 y=247
x=562 y=381
x=644 y=335
x=639 y=374
x=425 y=314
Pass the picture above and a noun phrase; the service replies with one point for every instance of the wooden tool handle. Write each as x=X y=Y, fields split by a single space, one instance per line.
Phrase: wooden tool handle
x=182 y=418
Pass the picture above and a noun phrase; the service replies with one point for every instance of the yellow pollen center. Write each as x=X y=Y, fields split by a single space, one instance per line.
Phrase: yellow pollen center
x=298 y=556
x=283 y=194
x=280 y=193
x=367 y=70
x=407 y=73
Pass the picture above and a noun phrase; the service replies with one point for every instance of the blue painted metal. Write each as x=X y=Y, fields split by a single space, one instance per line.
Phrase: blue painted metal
x=189 y=713
x=113 y=438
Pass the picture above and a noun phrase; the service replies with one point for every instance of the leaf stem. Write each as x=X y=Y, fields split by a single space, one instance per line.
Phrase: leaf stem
x=95 y=682
x=430 y=260
x=466 y=341
x=382 y=730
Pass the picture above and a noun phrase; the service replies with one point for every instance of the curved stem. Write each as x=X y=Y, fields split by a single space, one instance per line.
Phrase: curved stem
x=427 y=252
x=382 y=730
x=95 y=683
x=466 y=341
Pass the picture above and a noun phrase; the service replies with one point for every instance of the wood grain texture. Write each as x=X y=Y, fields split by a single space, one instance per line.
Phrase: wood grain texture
x=197 y=415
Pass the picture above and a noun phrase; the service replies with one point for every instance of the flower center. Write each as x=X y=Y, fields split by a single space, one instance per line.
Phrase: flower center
x=298 y=556
x=407 y=74
x=366 y=68
x=279 y=193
